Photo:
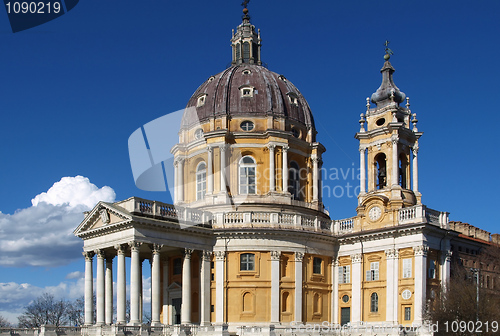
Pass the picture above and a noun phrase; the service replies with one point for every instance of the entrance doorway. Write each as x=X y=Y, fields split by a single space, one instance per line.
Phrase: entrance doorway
x=345 y=315
x=176 y=310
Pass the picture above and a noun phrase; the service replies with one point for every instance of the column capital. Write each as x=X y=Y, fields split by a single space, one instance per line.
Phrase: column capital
x=392 y=253
x=285 y=148
x=155 y=248
x=356 y=258
x=421 y=250
x=100 y=253
x=134 y=246
x=394 y=139
x=271 y=147
x=210 y=149
x=362 y=150
x=220 y=255
x=89 y=255
x=120 y=248
x=414 y=149
x=336 y=261
x=187 y=253
x=299 y=256
x=206 y=255
x=275 y=255
x=447 y=255
x=223 y=147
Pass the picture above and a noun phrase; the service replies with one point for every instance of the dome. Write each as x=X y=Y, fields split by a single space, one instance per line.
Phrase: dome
x=248 y=90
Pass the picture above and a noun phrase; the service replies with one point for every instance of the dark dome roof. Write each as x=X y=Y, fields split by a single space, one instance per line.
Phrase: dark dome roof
x=273 y=94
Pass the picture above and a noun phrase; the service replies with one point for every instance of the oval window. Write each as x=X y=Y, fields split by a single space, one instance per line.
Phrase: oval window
x=345 y=298
x=198 y=134
x=295 y=132
x=406 y=294
x=380 y=122
x=247 y=125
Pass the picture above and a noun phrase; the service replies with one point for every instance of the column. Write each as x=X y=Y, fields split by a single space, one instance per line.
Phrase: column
x=275 y=286
x=176 y=181
x=396 y=286
x=272 y=182
x=445 y=262
x=392 y=284
x=121 y=285
x=141 y=290
x=222 y=149
x=395 y=163
x=315 y=161
x=356 y=305
x=420 y=282
x=155 y=284
x=299 y=257
x=415 y=168
x=180 y=181
x=320 y=181
x=335 y=291
x=166 y=299
x=210 y=170
x=109 y=290
x=219 y=286
x=205 y=288
x=284 y=166
x=362 y=171
x=135 y=283
x=89 y=288
x=100 y=300
x=186 y=288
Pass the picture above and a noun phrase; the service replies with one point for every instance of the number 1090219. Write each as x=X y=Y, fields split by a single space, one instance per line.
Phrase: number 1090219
x=33 y=7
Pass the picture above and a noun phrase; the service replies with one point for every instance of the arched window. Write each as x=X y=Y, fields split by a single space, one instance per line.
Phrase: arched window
x=246 y=52
x=284 y=302
x=294 y=180
x=201 y=181
x=247 y=179
x=247 y=302
x=316 y=304
x=238 y=51
x=403 y=178
x=374 y=303
x=381 y=171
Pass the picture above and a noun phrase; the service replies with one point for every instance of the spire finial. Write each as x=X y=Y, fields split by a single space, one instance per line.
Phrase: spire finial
x=414 y=122
x=245 y=9
x=362 y=121
x=388 y=51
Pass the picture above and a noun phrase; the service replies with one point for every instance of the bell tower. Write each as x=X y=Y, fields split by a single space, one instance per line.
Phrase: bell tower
x=388 y=147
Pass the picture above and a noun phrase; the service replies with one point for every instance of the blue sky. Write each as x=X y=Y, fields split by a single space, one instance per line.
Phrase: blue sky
x=74 y=89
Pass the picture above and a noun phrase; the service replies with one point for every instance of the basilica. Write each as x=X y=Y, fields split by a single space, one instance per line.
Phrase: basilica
x=248 y=247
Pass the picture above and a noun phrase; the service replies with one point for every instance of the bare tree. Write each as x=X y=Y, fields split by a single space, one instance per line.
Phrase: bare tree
x=464 y=301
x=3 y=322
x=76 y=312
x=45 y=310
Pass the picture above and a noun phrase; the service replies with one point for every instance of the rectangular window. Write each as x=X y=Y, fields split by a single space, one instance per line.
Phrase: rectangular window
x=177 y=266
x=432 y=269
x=247 y=181
x=317 y=263
x=406 y=268
x=345 y=274
x=247 y=262
x=372 y=274
x=407 y=313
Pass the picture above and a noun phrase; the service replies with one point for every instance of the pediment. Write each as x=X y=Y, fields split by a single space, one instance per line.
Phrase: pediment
x=174 y=286
x=102 y=215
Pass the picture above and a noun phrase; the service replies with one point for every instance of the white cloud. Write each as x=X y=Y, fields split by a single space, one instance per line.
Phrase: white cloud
x=75 y=275
x=74 y=191
x=14 y=297
x=42 y=235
